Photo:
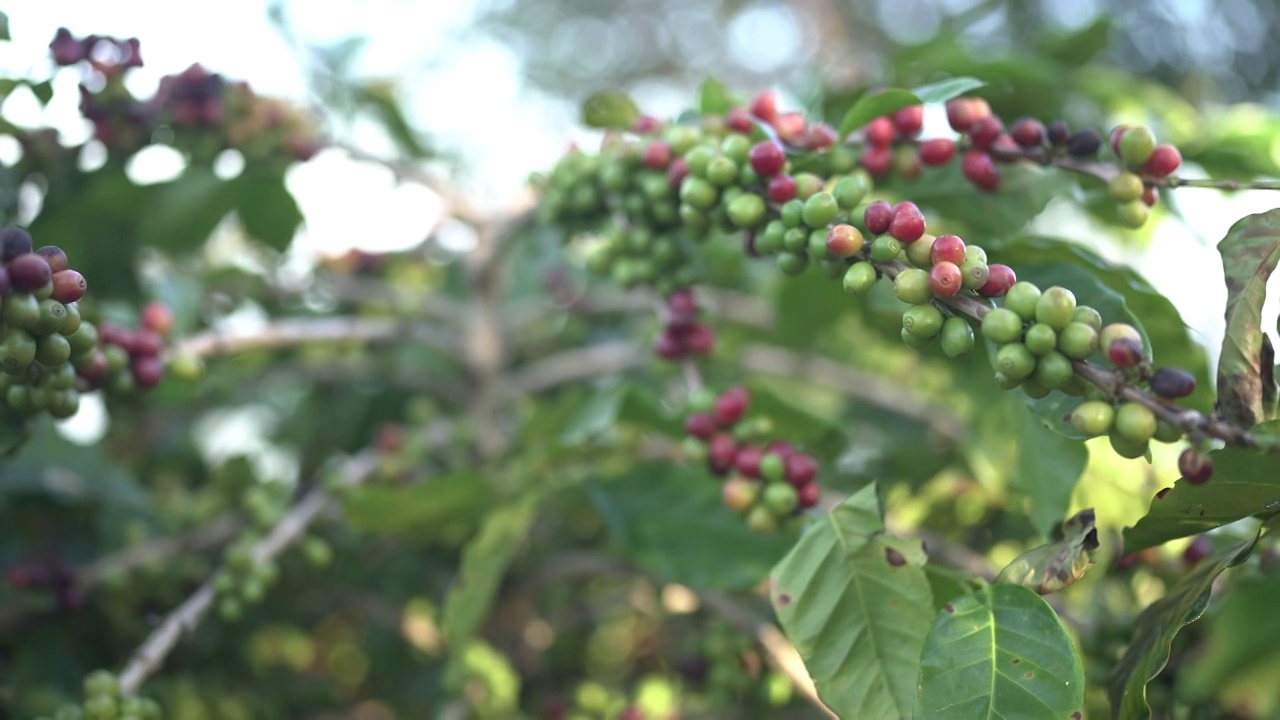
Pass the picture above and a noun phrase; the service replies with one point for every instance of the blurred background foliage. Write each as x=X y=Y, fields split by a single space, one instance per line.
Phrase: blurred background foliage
x=594 y=584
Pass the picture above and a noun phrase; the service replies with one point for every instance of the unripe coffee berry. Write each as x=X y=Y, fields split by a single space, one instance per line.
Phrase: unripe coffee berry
x=918 y=344
x=1136 y=146
x=1195 y=466
x=1053 y=370
x=1135 y=422
x=739 y=494
x=1122 y=344
x=781 y=498
x=1093 y=418
x=859 y=278
x=1133 y=214
x=820 y=210
x=773 y=467
x=885 y=248
x=762 y=520
x=947 y=248
x=844 y=240
x=1125 y=187
x=938 y=151
x=1000 y=278
x=851 y=189
x=923 y=321
x=912 y=286
x=918 y=252
x=746 y=211
x=974 y=274
x=907 y=224
x=1172 y=383
x=1004 y=382
x=808 y=184
x=694 y=450
x=1022 y=298
x=1089 y=316
x=945 y=279
x=1001 y=326
x=1056 y=307
x=878 y=217
x=1015 y=361
x=1167 y=432
x=793 y=264
x=1041 y=339
x=698 y=193
x=1127 y=448
x=957 y=337
x=1078 y=340
x=981 y=170
x=722 y=171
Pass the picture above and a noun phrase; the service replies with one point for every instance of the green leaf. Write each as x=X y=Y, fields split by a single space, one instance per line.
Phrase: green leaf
x=944 y=90
x=869 y=107
x=4 y=26
x=1000 y=652
x=49 y=464
x=651 y=511
x=1244 y=483
x=1250 y=253
x=714 y=98
x=1156 y=627
x=441 y=508
x=267 y=209
x=183 y=212
x=1054 y=566
x=1243 y=634
x=610 y=109
x=856 y=604
x=380 y=97
x=484 y=563
x=1025 y=190
x=42 y=90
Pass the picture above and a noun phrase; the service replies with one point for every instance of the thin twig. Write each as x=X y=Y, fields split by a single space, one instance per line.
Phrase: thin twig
x=289 y=333
x=184 y=619
x=574 y=364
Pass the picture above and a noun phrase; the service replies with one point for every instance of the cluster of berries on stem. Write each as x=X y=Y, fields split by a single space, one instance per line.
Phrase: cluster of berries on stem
x=683 y=335
x=103 y=700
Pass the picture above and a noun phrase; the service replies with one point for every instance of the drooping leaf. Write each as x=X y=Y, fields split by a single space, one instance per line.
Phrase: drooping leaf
x=267 y=208
x=856 y=604
x=1242 y=634
x=184 y=211
x=1051 y=567
x=484 y=563
x=944 y=90
x=609 y=109
x=650 y=512
x=1156 y=627
x=1244 y=483
x=999 y=652
x=714 y=98
x=1250 y=253
x=869 y=107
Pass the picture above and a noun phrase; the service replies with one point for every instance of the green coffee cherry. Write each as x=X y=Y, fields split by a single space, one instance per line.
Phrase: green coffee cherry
x=1167 y=432
x=974 y=274
x=957 y=337
x=851 y=189
x=792 y=213
x=1127 y=448
x=817 y=245
x=21 y=310
x=832 y=268
x=17 y=351
x=722 y=172
x=1015 y=361
x=1004 y=382
x=795 y=240
x=1093 y=418
x=1133 y=214
x=793 y=264
x=762 y=520
x=773 y=468
x=820 y=210
x=1135 y=423
x=746 y=211
x=1125 y=187
x=698 y=193
x=1002 y=325
x=1078 y=340
x=781 y=498
x=916 y=343
x=885 y=249
x=1033 y=389
x=1056 y=307
x=1022 y=299
x=52 y=350
x=923 y=321
x=859 y=278
x=912 y=286
x=1040 y=339
x=918 y=251
x=1054 y=370
x=736 y=147
x=1136 y=145
x=1088 y=316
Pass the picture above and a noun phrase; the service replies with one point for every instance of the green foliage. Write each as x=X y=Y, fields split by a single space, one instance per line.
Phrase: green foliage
x=1250 y=253
x=873 y=105
x=609 y=109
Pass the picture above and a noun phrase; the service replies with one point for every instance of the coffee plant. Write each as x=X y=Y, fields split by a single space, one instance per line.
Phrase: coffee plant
x=753 y=411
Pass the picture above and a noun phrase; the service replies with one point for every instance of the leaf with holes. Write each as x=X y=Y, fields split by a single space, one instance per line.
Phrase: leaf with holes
x=1156 y=627
x=856 y=603
x=1049 y=568
x=999 y=652
x=1250 y=253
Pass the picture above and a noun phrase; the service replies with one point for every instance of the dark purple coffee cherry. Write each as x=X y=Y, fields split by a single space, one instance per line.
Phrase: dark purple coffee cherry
x=1084 y=144
x=53 y=255
x=1172 y=383
x=878 y=217
x=1058 y=133
x=1195 y=466
x=29 y=272
x=14 y=241
x=1198 y=550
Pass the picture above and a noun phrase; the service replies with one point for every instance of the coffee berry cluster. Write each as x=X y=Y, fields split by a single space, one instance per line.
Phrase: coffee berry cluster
x=683 y=335
x=770 y=483
x=104 y=701
x=129 y=359
x=57 y=577
x=205 y=112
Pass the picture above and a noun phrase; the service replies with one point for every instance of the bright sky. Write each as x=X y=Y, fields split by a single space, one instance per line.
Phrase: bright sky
x=465 y=91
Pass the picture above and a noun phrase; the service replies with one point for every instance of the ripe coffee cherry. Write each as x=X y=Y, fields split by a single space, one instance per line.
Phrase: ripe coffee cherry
x=701 y=340
x=1135 y=422
x=963 y=111
x=984 y=132
x=819 y=136
x=781 y=498
x=1093 y=418
x=945 y=279
x=1195 y=466
x=1015 y=361
x=790 y=127
x=981 y=170
x=1135 y=146
x=1002 y=325
x=1078 y=340
x=876 y=160
x=147 y=371
x=922 y=321
x=669 y=346
x=1058 y=133
x=731 y=406
x=879 y=132
x=947 y=248
x=1056 y=307
x=907 y=224
x=14 y=241
x=912 y=286
x=859 y=278
x=1122 y=344
x=937 y=151
x=820 y=210
x=721 y=452
x=53 y=255
x=657 y=155
x=957 y=337
x=677 y=172
x=1172 y=383
x=844 y=241
x=908 y=120
x=801 y=469
x=1084 y=143
x=1040 y=339
x=700 y=425
x=68 y=286
x=768 y=158
x=764 y=106
x=1028 y=132
x=999 y=279
x=737 y=120
x=809 y=495
x=1163 y=161
x=1198 y=550
x=747 y=461
x=1149 y=196
x=739 y=494
x=29 y=272
x=878 y=217
x=1114 y=137
x=781 y=189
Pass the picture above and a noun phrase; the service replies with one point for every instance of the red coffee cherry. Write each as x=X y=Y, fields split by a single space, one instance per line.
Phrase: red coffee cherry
x=29 y=272
x=669 y=346
x=767 y=158
x=808 y=495
x=739 y=121
x=781 y=189
x=790 y=127
x=147 y=371
x=1117 y=132
x=677 y=172
x=1195 y=466
x=156 y=316
x=53 y=255
x=701 y=340
x=1000 y=279
x=765 y=106
x=1163 y=161
x=645 y=124
x=657 y=155
x=947 y=248
x=1198 y=550
x=721 y=452
x=700 y=425
x=731 y=406
x=907 y=225
x=908 y=120
x=880 y=132
x=801 y=469
x=945 y=279
x=937 y=151
x=963 y=112
x=981 y=170
x=820 y=136
x=68 y=286
x=878 y=217
x=877 y=160
x=985 y=131
x=1028 y=132
x=747 y=460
